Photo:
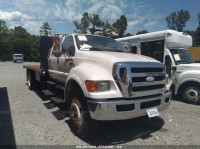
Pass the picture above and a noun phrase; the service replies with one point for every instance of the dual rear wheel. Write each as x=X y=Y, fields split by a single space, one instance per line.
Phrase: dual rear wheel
x=31 y=81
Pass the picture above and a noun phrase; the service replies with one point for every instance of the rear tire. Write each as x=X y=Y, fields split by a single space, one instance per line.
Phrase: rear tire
x=80 y=121
x=31 y=81
x=191 y=93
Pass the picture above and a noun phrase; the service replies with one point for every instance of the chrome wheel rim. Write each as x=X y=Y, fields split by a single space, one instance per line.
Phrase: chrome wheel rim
x=192 y=94
x=76 y=112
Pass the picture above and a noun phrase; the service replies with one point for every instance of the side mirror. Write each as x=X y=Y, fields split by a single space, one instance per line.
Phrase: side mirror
x=173 y=68
x=168 y=65
x=57 y=53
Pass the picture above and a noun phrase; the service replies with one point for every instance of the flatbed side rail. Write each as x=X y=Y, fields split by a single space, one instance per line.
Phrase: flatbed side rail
x=32 y=67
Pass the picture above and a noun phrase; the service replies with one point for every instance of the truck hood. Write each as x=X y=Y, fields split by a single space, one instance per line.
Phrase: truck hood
x=103 y=61
x=112 y=57
x=192 y=66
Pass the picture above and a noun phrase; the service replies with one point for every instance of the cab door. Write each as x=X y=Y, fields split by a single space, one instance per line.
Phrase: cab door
x=53 y=61
x=66 y=61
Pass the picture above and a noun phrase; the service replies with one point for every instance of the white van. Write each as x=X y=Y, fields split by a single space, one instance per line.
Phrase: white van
x=171 y=48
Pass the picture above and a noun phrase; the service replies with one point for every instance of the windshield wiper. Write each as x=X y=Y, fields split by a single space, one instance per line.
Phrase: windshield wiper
x=112 y=50
x=95 y=49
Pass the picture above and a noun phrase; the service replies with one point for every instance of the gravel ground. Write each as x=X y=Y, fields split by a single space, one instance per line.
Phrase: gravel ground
x=25 y=120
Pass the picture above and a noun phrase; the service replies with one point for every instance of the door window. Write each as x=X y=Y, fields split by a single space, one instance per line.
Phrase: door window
x=154 y=49
x=134 y=49
x=68 y=46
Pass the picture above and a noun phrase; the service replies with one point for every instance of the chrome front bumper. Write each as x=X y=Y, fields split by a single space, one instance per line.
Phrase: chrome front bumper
x=107 y=110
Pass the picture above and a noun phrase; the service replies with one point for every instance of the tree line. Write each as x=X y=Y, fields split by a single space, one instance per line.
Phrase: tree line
x=18 y=40
x=94 y=25
x=177 y=21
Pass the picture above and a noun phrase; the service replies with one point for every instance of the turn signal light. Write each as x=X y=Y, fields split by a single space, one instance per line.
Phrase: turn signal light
x=97 y=86
x=91 y=86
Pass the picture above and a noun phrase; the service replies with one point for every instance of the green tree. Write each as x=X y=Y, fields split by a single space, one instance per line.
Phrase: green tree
x=177 y=21
x=171 y=20
x=106 y=29
x=192 y=34
x=3 y=28
x=197 y=32
x=19 y=32
x=18 y=40
x=96 y=23
x=45 y=29
x=84 y=23
x=120 y=26
x=128 y=34
x=142 y=32
x=3 y=36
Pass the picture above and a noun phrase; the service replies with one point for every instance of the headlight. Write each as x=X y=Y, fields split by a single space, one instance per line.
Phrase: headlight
x=97 y=86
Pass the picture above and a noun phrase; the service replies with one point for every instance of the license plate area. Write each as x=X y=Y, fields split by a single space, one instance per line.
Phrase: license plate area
x=152 y=112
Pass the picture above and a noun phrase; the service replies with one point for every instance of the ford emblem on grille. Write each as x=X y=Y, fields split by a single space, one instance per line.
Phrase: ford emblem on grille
x=150 y=79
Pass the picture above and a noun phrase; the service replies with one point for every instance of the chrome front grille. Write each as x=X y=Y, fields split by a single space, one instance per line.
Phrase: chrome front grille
x=139 y=79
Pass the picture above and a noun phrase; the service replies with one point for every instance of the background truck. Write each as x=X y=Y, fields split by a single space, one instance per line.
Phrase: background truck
x=170 y=48
x=18 y=58
x=100 y=80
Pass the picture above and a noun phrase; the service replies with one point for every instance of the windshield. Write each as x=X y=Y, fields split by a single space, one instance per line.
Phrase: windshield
x=98 y=43
x=17 y=55
x=182 y=56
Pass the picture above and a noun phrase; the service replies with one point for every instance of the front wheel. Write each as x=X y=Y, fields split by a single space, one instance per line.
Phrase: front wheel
x=191 y=93
x=81 y=123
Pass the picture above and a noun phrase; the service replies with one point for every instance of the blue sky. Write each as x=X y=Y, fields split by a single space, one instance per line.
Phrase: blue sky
x=141 y=14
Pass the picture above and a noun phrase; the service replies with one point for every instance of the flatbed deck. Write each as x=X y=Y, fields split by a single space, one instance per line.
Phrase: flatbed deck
x=33 y=67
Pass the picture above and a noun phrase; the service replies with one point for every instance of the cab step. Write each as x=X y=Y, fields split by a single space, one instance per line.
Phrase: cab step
x=59 y=115
x=50 y=83
x=60 y=87
x=49 y=105
x=47 y=93
x=57 y=100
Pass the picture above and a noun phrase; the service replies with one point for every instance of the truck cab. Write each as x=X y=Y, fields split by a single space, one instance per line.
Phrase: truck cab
x=171 y=48
x=102 y=81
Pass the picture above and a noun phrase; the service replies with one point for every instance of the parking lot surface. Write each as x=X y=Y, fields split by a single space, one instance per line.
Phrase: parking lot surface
x=29 y=118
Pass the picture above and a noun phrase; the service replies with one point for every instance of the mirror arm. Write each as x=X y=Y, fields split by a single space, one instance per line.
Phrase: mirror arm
x=174 y=68
x=67 y=54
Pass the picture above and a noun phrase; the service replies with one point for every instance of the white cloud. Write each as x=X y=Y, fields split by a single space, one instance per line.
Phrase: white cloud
x=70 y=10
x=150 y=24
x=16 y=18
x=15 y=15
x=135 y=22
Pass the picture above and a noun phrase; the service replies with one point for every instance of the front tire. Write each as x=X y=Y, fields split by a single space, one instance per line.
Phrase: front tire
x=191 y=93
x=80 y=121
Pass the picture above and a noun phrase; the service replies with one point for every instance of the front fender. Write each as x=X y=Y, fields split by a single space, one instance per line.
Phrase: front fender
x=187 y=76
x=83 y=72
